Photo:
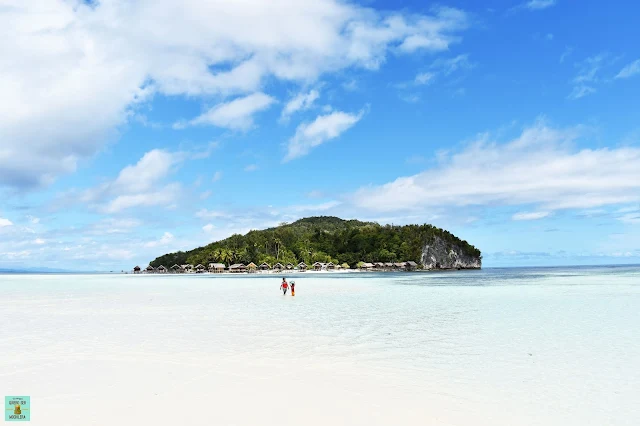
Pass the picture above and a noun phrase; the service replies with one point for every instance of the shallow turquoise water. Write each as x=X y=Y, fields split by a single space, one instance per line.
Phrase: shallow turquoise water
x=498 y=346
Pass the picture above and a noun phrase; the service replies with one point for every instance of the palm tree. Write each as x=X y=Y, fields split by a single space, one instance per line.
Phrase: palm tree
x=226 y=256
x=217 y=253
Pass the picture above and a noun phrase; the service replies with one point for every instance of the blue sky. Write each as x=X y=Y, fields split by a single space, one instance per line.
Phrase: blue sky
x=131 y=129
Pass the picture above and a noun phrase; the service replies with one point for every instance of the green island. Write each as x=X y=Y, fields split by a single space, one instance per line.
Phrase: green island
x=325 y=239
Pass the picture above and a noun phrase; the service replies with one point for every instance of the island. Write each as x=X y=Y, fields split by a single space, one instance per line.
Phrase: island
x=327 y=243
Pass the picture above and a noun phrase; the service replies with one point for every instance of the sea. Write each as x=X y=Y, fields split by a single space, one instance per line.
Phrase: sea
x=516 y=346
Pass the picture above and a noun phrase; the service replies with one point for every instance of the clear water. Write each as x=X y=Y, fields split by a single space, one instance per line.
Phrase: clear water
x=555 y=346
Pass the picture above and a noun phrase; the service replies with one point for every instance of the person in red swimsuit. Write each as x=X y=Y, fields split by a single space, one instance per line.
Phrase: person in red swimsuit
x=284 y=286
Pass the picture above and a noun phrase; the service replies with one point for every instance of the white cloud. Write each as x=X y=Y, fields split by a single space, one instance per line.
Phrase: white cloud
x=539 y=4
x=210 y=214
x=539 y=167
x=586 y=79
x=251 y=168
x=216 y=176
x=236 y=114
x=144 y=175
x=632 y=218
x=205 y=195
x=315 y=207
x=34 y=220
x=208 y=227
x=322 y=129
x=630 y=70
x=38 y=241
x=137 y=185
x=5 y=222
x=80 y=69
x=163 y=196
x=166 y=238
x=424 y=78
x=451 y=65
x=530 y=215
x=301 y=102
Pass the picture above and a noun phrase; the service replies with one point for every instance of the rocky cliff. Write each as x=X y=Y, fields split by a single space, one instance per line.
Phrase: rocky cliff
x=438 y=254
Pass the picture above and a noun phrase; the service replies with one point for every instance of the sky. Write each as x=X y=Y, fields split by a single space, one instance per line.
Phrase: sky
x=130 y=129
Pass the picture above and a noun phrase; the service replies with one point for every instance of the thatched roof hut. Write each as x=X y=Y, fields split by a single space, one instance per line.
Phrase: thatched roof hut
x=399 y=265
x=176 y=268
x=302 y=266
x=278 y=267
x=252 y=267
x=289 y=266
x=330 y=265
x=200 y=268
x=411 y=265
x=237 y=268
x=264 y=266
x=216 y=267
x=366 y=265
x=150 y=269
x=136 y=269
x=161 y=269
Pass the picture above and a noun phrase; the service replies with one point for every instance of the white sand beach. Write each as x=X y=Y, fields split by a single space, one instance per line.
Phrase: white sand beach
x=391 y=349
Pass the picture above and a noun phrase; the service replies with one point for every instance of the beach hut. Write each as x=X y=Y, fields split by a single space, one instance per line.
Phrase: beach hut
x=302 y=267
x=136 y=269
x=411 y=265
x=161 y=269
x=289 y=266
x=200 y=268
x=330 y=266
x=399 y=266
x=278 y=267
x=378 y=266
x=150 y=269
x=188 y=268
x=237 y=268
x=252 y=267
x=176 y=269
x=264 y=266
x=216 y=268
x=366 y=266
x=318 y=266
x=388 y=266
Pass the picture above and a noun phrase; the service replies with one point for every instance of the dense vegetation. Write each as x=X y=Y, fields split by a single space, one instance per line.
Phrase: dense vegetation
x=320 y=239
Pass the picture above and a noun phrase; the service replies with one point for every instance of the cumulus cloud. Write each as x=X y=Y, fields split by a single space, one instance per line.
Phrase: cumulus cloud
x=301 y=102
x=208 y=227
x=142 y=184
x=321 y=130
x=5 y=222
x=236 y=114
x=251 y=168
x=166 y=238
x=539 y=167
x=530 y=215
x=81 y=69
x=630 y=70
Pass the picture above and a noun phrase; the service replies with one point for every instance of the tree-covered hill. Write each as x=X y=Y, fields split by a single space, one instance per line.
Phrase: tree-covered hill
x=321 y=239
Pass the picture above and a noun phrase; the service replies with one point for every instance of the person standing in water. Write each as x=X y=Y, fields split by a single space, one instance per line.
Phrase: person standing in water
x=293 y=288
x=284 y=286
